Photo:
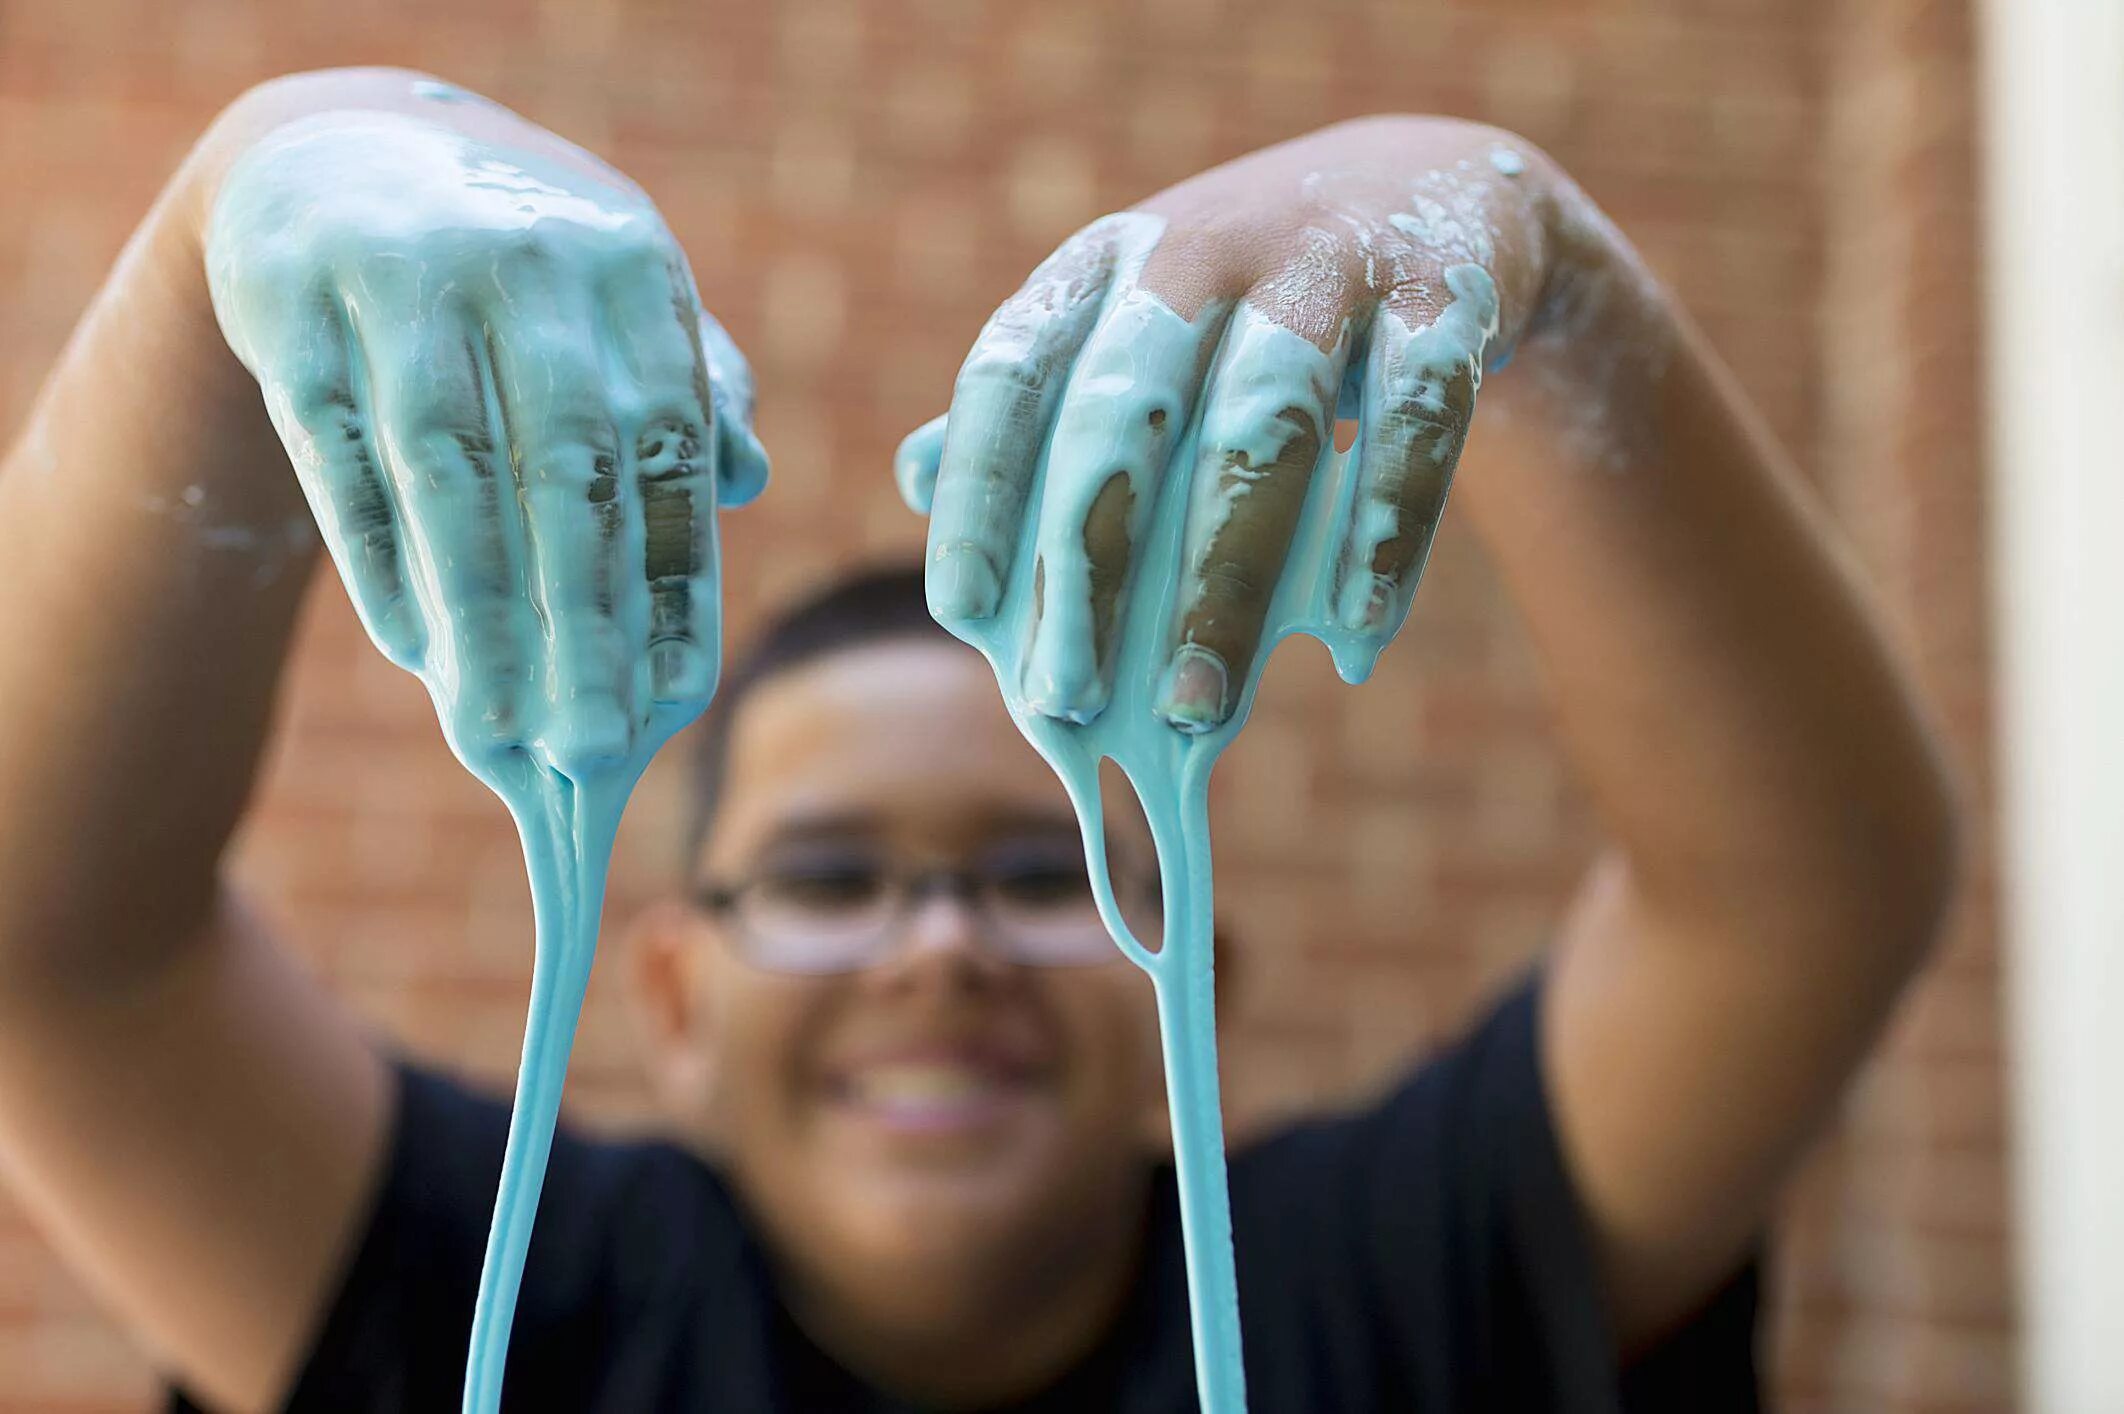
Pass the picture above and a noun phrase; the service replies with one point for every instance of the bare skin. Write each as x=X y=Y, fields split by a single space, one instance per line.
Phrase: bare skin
x=197 y=1125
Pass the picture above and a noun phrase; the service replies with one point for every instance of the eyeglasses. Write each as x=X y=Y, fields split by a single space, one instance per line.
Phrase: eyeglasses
x=826 y=908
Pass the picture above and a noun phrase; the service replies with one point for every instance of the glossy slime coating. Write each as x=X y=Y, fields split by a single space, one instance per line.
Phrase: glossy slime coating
x=491 y=373
x=1050 y=674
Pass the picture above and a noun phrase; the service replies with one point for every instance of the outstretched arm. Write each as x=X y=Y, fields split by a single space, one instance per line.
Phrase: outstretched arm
x=184 y=1112
x=1782 y=831
x=188 y=1116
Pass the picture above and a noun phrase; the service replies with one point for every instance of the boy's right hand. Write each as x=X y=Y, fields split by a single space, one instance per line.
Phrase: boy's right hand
x=483 y=350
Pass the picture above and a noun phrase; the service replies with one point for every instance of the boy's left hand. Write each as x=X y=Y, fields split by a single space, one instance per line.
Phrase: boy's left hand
x=1374 y=267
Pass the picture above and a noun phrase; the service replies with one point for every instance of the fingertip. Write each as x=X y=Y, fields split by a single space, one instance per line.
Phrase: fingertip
x=396 y=632
x=595 y=731
x=914 y=465
x=1195 y=695
x=962 y=582
x=1062 y=679
x=680 y=672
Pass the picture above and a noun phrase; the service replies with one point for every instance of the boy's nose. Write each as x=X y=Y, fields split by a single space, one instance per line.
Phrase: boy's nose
x=944 y=932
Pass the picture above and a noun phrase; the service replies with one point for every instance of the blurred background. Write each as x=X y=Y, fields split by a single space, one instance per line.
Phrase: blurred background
x=858 y=184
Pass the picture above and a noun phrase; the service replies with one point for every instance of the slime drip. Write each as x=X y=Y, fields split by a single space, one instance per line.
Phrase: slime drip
x=1327 y=591
x=567 y=825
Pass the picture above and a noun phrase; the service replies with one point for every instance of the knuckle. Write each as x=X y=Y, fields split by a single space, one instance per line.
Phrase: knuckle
x=1003 y=366
x=326 y=411
x=428 y=417
x=438 y=445
x=642 y=245
x=673 y=447
x=526 y=249
x=1418 y=421
x=573 y=469
x=1231 y=581
x=1119 y=404
x=1010 y=373
x=1422 y=423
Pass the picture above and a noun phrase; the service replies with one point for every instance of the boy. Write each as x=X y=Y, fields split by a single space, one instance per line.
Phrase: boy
x=930 y=1086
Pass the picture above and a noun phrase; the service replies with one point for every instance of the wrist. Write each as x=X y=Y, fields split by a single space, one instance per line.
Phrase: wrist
x=1599 y=311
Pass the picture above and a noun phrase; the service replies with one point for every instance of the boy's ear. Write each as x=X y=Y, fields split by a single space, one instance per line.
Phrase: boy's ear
x=667 y=979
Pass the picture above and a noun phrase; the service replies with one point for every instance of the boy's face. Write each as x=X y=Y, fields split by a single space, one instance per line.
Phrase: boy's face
x=942 y=1099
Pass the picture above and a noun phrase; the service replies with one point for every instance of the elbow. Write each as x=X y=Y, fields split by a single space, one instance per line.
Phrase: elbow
x=1919 y=855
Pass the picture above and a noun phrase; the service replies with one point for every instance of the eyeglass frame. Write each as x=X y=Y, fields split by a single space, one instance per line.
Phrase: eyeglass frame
x=909 y=888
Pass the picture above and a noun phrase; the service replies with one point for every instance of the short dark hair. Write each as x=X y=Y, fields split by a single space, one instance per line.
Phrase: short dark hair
x=877 y=604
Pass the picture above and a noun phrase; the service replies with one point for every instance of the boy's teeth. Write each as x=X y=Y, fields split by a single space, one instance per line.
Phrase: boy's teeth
x=920 y=1084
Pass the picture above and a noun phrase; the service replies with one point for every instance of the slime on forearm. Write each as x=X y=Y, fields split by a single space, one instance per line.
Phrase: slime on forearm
x=491 y=385
x=1051 y=676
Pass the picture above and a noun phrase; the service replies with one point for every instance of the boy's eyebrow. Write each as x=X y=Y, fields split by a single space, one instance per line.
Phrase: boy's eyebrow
x=825 y=825
x=801 y=827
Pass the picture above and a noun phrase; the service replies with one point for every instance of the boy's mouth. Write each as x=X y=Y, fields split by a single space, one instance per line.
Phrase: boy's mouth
x=934 y=1091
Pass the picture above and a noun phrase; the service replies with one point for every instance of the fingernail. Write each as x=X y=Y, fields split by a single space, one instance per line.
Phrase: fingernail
x=961 y=583
x=1381 y=607
x=1067 y=698
x=1192 y=696
x=1063 y=707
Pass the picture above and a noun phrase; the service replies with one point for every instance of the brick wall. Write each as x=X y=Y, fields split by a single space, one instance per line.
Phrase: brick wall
x=858 y=183
x=1899 y=1285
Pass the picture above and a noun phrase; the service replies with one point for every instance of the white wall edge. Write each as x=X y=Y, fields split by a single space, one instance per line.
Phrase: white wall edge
x=2053 y=115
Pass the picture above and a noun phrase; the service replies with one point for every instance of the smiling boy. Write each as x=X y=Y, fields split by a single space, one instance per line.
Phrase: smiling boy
x=881 y=1001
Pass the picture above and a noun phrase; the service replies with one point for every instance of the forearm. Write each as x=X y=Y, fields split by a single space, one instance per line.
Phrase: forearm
x=1719 y=678
x=160 y=548
x=1781 y=825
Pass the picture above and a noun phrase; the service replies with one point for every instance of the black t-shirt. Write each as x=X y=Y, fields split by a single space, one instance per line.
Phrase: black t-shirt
x=1426 y=1254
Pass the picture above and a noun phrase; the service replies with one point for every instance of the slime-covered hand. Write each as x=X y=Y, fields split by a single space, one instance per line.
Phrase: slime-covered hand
x=1214 y=333
x=485 y=355
x=1136 y=493
x=514 y=423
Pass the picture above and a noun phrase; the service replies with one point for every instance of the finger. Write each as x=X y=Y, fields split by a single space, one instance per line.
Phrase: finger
x=669 y=437
x=566 y=456
x=678 y=500
x=439 y=433
x=741 y=462
x=914 y=465
x=315 y=391
x=1000 y=407
x=1422 y=371
x=1128 y=399
x=1269 y=412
